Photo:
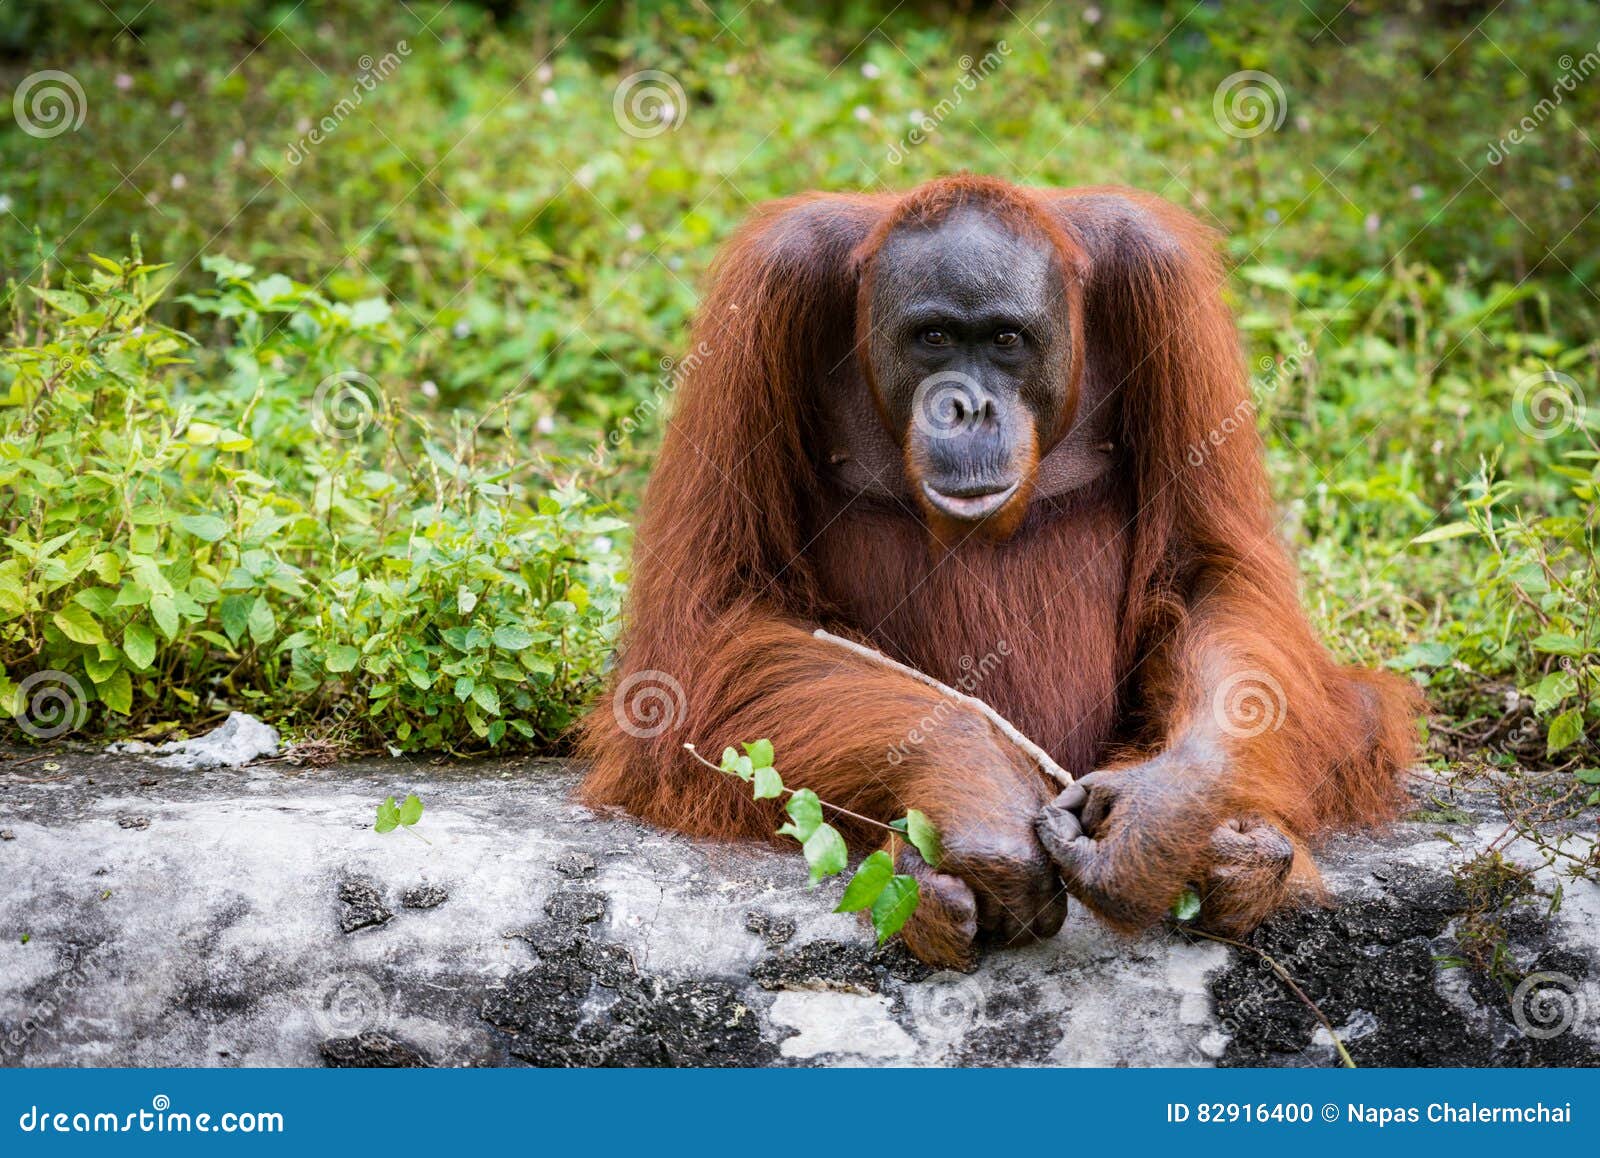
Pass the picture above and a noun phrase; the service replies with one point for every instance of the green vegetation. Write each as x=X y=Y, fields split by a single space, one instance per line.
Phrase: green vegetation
x=887 y=897
x=351 y=433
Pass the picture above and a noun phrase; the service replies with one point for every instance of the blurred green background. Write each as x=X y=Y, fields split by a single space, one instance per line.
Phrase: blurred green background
x=339 y=335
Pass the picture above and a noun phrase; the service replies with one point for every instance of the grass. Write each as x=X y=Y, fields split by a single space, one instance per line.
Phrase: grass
x=433 y=222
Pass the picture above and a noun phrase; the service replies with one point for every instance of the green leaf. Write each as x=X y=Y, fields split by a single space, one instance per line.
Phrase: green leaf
x=263 y=623
x=868 y=882
x=1187 y=906
x=388 y=816
x=78 y=624
x=206 y=527
x=1422 y=655
x=760 y=753
x=512 y=638
x=139 y=645
x=132 y=595
x=1552 y=689
x=117 y=692
x=1554 y=643
x=1565 y=731
x=768 y=783
x=410 y=809
x=235 y=613
x=826 y=853
x=164 y=610
x=487 y=698
x=1448 y=531
x=342 y=657
x=921 y=833
x=805 y=814
x=894 y=905
x=1587 y=775
x=96 y=599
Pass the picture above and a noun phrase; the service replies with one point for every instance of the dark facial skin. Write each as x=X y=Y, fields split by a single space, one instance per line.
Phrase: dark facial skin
x=969 y=363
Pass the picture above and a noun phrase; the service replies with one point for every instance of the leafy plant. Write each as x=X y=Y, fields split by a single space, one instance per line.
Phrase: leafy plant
x=403 y=815
x=178 y=543
x=887 y=897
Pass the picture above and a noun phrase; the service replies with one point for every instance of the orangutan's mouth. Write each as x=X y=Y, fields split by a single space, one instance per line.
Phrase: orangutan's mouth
x=977 y=503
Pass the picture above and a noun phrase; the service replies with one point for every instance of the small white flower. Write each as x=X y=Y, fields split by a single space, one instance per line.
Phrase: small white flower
x=635 y=231
x=430 y=388
x=545 y=73
x=1273 y=217
x=124 y=82
x=545 y=425
x=585 y=176
x=862 y=113
x=179 y=181
x=238 y=149
x=303 y=125
x=177 y=109
x=602 y=544
x=1095 y=58
x=461 y=330
x=1372 y=223
x=549 y=97
x=914 y=117
x=1091 y=15
x=1416 y=193
x=5 y=203
x=871 y=71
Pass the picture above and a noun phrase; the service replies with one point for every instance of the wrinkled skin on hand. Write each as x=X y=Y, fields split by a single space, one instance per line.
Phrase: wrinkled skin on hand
x=995 y=886
x=1127 y=841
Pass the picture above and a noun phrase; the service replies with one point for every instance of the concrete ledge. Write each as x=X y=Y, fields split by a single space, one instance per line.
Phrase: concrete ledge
x=252 y=917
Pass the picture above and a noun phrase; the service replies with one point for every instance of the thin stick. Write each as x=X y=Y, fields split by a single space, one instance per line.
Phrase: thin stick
x=1283 y=975
x=695 y=752
x=1048 y=766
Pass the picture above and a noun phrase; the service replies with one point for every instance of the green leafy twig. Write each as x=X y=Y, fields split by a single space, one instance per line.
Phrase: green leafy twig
x=403 y=815
x=888 y=897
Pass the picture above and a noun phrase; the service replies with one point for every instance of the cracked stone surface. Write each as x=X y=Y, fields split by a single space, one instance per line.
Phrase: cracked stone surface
x=256 y=918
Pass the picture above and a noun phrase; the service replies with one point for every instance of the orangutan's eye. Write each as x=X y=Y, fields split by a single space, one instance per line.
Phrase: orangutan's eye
x=1007 y=338
x=934 y=337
